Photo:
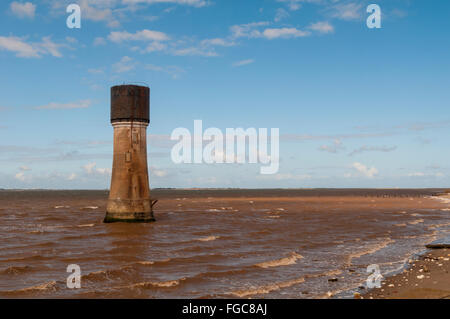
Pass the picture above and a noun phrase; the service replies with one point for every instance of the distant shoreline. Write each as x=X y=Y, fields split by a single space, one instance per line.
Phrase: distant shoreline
x=170 y=193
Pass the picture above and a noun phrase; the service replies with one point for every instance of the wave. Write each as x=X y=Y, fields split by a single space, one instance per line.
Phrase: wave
x=152 y=284
x=146 y=263
x=50 y=286
x=15 y=270
x=26 y=258
x=265 y=289
x=208 y=238
x=106 y=275
x=86 y=225
x=281 y=262
x=439 y=225
x=370 y=250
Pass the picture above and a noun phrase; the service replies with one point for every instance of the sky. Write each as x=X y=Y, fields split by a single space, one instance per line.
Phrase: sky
x=355 y=107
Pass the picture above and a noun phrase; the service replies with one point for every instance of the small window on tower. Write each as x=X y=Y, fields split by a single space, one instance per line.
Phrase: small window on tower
x=135 y=138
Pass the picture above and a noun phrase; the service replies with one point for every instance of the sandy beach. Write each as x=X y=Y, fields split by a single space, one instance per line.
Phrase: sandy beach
x=427 y=277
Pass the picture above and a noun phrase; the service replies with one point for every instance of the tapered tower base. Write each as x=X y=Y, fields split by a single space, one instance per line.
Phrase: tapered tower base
x=129 y=217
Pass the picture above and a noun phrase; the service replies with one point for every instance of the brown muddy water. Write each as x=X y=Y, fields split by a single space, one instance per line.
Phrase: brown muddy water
x=213 y=243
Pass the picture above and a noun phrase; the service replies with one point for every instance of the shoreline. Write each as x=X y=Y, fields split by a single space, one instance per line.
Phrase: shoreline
x=426 y=275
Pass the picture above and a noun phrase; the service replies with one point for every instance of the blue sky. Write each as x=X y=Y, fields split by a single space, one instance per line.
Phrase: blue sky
x=356 y=107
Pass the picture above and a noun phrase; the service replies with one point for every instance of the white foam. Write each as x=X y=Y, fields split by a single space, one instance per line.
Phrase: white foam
x=281 y=262
x=208 y=238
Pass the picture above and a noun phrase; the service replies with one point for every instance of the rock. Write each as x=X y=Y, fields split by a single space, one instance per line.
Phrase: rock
x=357 y=295
x=420 y=277
x=332 y=279
x=440 y=243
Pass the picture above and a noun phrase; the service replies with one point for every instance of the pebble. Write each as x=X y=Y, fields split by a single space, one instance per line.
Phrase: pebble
x=332 y=279
x=420 y=277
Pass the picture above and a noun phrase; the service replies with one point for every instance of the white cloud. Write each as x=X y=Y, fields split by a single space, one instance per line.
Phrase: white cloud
x=155 y=46
x=285 y=33
x=172 y=70
x=72 y=177
x=91 y=169
x=366 y=148
x=293 y=5
x=24 y=49
x=49 y=46
x=248 y=30
x=158 y=172
x=322 y=27
x=194 y=3
x=71 y=40
x=416 y=174
x=99 y=11
x=20 y=176
x=347 y=11
x=334 y=148
x=143 y=35
x=99 y=41
x=243 y=62
x=281 y=14
x=195 y=51
x=64 y=106
x=421 y=174
x=218 y=42
x=19 y=46
x=23 y=10
x=124 y=65
x=364 y=170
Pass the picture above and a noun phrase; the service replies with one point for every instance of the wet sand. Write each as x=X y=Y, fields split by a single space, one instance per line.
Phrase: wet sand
x=213 y=243
x=427 y=277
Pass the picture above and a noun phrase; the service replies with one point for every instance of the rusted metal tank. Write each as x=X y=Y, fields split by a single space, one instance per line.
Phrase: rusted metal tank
x=130 y=103
x=129 y=197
